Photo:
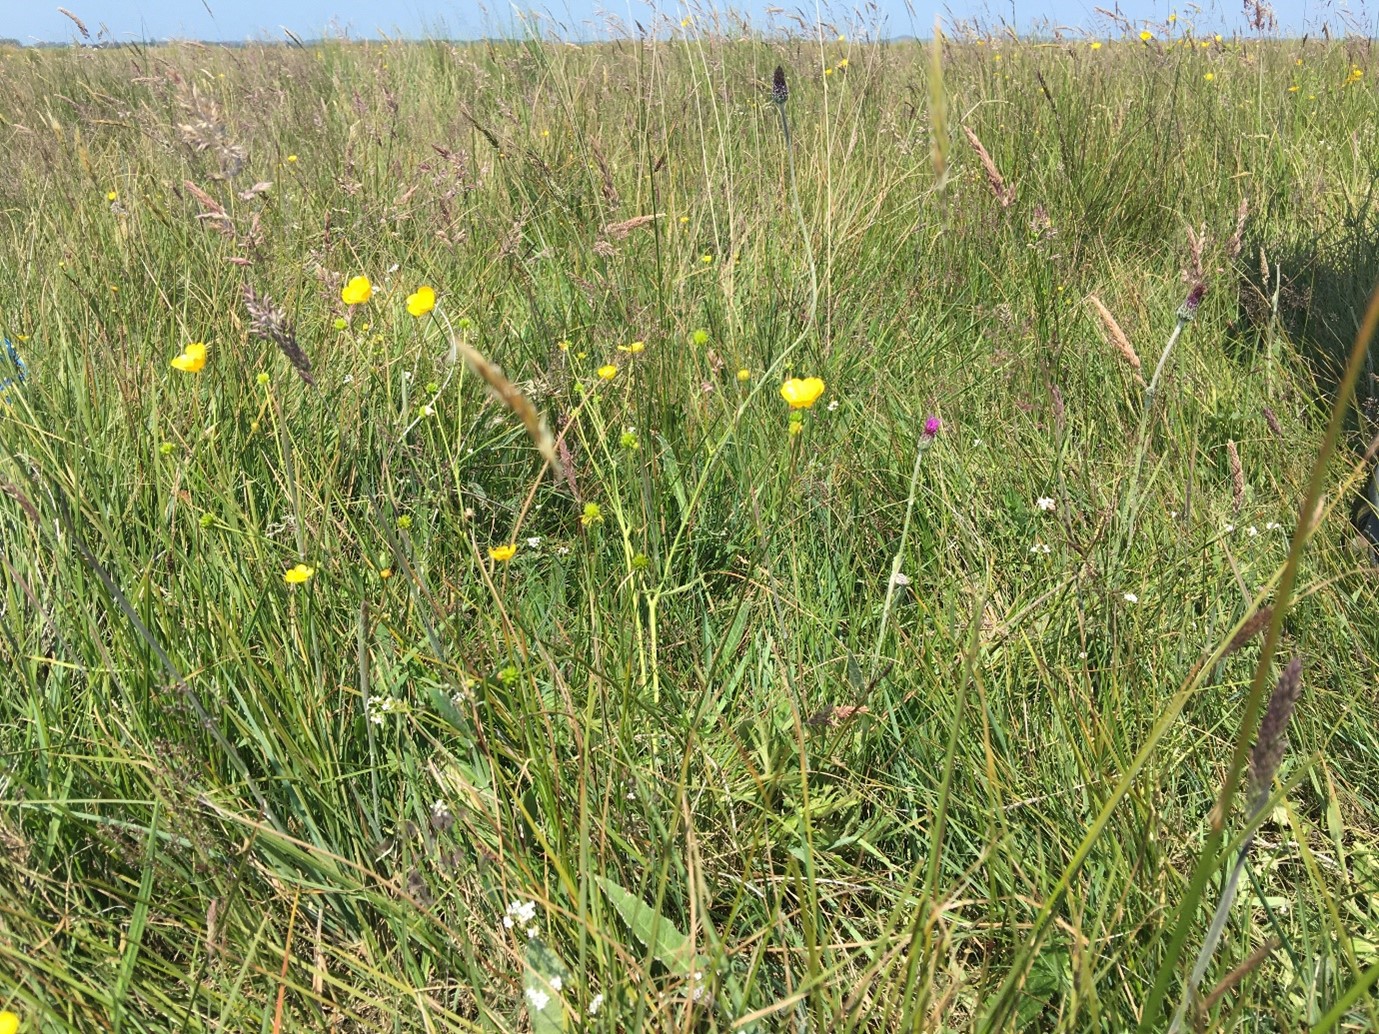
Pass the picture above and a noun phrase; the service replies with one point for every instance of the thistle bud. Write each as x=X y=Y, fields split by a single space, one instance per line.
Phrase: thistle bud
x=1188 y=312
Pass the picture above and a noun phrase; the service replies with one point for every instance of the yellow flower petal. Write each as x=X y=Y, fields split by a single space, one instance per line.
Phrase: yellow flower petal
x=297 y=575
x=607 y=373
x=421 y=301
x=9 y=1022
x=802 y=393
x=192 y=359
x=503 y=553
x=358 y=291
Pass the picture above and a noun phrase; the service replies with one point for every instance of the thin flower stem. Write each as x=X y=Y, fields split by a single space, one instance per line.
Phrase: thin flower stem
x=900 y=551
x=799 y=216
x=1158 y=370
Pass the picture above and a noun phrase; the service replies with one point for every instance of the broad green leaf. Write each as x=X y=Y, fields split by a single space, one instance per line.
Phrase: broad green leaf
x=667 y=945
x=545 y=983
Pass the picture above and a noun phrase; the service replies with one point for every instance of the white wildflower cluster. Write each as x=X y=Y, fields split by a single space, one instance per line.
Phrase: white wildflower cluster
x=595 y=1004
x=378 y=708
x=1046 y=504
x=697 y=988
x=537 y=998
x=519 y=915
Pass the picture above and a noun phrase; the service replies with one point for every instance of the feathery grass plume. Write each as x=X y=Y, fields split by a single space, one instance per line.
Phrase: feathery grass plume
x=1117 y=335
x=619 y=231
x=511 y=396
x=1196 y=244
x=271 y=324
x=610 y=190
x=1005 y=194
x=1237 y=475
x=211 y=210
x=1237 y=239
x=204 y=129
x=81 y=26
x=1273 y=729
x=1271 y=419
x=938 y=108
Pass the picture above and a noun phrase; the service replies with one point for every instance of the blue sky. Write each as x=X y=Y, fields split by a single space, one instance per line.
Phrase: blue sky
x=247 y=19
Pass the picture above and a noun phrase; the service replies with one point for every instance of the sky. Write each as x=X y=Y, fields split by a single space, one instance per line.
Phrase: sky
x=239 y=20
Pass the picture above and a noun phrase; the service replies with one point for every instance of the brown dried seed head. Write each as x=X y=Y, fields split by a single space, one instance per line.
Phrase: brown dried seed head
x=1258 y=620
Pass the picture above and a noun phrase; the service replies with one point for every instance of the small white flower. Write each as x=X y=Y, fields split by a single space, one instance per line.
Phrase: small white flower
x=1273 y=526
x=976 y=442
x=1229 y=528
x=1173 y=516
x=428 y=410
x=1045 y=503
x=349 y=378
x=406 y=375
x=1130 y=597
x=532 y=932
x=556 y=983
x=534 y=541
x=377 y=708
x=1039 y=547
x=394 y=268
x=595 y=1004
x=440 y=810
x=833 y=405
x=519 y=912
x=562 y=550
x=1252 y=531
x=537 y=998
x=900 y=579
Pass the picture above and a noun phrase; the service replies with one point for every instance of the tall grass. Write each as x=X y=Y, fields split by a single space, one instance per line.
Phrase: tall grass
x=758 y=728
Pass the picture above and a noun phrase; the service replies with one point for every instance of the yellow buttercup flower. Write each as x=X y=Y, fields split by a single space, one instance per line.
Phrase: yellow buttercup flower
x=503 y=554
x=1146 y=36
x=297 y=575
x=636 y=346
x=9 y=1022
x=1096 y=44
x=802 y=393
x=192 y=359
x=112 y=196
x=358 y=291
x=608 y=372
x=421 y=301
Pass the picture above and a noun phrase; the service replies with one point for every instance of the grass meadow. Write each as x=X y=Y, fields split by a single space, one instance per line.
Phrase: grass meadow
x=353 y=684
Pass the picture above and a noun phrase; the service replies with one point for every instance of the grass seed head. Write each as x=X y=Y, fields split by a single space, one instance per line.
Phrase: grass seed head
x=270 y=323
x=1268 y=750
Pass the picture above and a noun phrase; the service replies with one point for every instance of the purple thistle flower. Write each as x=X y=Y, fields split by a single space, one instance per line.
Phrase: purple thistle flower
x=931 y=426
x=780 y=92
x=1189 y=308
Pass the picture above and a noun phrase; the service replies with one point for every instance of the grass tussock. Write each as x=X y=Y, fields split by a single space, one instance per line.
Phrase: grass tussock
x=423 y=610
